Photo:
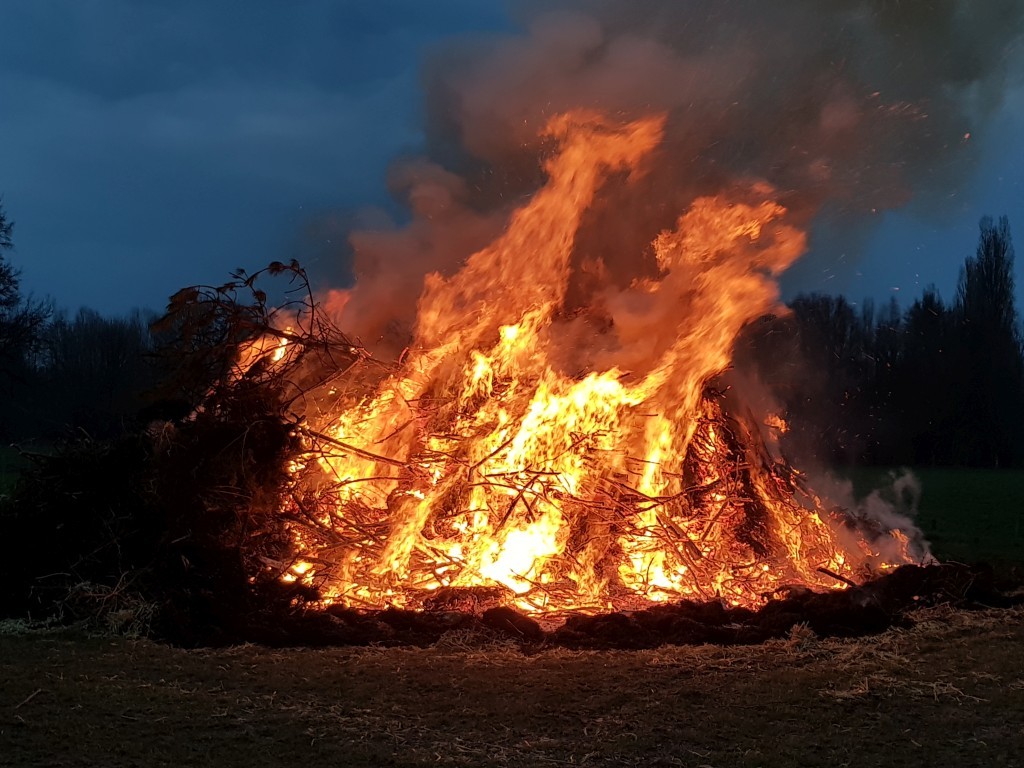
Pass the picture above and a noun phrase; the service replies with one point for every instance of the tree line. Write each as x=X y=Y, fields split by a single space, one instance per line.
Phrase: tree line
x=60 y=374
x=936 y=384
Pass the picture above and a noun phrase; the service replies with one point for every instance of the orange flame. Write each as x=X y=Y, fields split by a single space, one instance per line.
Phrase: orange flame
x=486 y=460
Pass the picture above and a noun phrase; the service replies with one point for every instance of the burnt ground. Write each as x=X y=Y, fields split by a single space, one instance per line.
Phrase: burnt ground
x=886 y=601
x=948 y=690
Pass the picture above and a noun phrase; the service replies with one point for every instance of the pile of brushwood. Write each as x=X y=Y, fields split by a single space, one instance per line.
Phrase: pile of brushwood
x=165 y=529
x=178 y=529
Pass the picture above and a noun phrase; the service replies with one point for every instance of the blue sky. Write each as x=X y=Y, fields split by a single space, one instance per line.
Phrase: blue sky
x=145 y=146
x=914 y=247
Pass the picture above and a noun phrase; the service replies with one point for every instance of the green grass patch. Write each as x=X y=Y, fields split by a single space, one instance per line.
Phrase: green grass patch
x=967 y=514
x=11 y=464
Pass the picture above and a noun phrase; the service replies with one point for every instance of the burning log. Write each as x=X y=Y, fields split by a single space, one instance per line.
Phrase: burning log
x=837 y=577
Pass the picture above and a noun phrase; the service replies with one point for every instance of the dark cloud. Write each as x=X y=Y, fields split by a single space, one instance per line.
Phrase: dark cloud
x=145 y=146
x=121 y=49
x=859 y=100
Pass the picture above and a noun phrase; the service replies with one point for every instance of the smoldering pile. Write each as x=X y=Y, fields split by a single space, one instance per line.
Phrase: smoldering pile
x=472 y=616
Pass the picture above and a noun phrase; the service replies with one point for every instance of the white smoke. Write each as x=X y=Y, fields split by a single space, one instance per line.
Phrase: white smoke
x=892 y=506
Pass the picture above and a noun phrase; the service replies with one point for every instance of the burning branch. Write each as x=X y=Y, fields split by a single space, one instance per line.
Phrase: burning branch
x=474 y=462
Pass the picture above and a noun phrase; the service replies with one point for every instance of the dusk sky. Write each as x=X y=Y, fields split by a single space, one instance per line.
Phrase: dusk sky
x=146 y=146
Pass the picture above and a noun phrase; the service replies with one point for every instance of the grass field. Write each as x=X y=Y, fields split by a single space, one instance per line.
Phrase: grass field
x=11 y=464
x=948 y=692
x=967 y=514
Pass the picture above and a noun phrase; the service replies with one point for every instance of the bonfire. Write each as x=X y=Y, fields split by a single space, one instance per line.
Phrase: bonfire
x=526 y=452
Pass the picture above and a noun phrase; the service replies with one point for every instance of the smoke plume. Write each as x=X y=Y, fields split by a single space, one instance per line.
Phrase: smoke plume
x=858 y=104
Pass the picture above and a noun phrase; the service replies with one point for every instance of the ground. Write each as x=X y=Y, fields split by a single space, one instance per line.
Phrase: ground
x=949 y=691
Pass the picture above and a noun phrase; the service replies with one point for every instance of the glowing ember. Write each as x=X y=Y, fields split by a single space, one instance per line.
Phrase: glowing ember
x=580 y=460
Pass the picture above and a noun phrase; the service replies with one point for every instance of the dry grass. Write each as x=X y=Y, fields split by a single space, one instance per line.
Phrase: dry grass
x=949 y=691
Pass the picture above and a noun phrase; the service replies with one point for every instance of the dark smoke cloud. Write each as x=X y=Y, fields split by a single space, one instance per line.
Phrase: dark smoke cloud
x=390 y=263
x=854 y=104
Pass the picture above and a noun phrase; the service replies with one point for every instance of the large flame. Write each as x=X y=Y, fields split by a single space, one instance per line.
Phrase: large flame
x=576 y=469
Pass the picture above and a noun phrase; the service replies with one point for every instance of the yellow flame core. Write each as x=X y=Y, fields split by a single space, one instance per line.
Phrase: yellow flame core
x=497 y=464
